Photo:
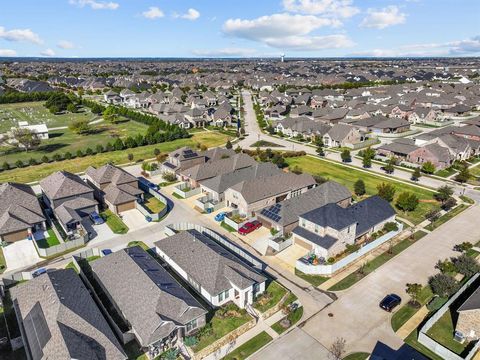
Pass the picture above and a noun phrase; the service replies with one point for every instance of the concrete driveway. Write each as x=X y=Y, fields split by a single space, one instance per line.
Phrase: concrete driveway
x=258 y=239
x=98 y=233
x=20 y=254
x=288 y=257
x=134 y=219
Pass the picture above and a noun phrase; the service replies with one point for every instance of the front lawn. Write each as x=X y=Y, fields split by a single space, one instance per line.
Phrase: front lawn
x=348 y=175
x=272 y=295
x=357 y=356
x=293 y=317
x=153 y=204
x=315 y=280
x=248 y=348
x=50 y=241
x=400 y=317
x=442 y=332
x=381 y=259
x=114 y=222
x=225 y=319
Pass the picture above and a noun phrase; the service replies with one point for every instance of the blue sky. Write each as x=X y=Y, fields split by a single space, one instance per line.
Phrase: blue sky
x=239 y=28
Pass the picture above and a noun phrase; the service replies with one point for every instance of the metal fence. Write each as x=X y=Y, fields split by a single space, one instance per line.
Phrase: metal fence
x=146 y=212
x=243 y=254
x=434 y=346
x=308 y=268
x=61 y=248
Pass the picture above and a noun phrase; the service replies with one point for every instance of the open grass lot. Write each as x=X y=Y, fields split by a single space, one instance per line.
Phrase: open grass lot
x=442 y=332
x=251 y=346
x=35 y=113
x=225 y=319
x=153 y=204
x=114 y=222
x=348 y=176
x=62 y=141
x=371 y=266
x=37 y=172
x=272 y=295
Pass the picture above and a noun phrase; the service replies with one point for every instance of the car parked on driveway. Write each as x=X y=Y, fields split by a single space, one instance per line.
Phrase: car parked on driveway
x=248 y=227
x=220 y=216
x=390 y=302
x=96 y=219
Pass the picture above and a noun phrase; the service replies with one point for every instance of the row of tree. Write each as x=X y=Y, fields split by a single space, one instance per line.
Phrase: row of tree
x=10 y=97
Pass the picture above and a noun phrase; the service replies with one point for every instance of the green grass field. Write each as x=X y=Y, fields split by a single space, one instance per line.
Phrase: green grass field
x=37 y=172
x=61 y=141
x=114 y=222
x=35 y=113
x=251 y=346
x=272 y=295
x=348 y=176
x=153 y=204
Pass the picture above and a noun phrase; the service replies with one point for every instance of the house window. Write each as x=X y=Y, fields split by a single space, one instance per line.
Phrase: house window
x=191 y=325
x=223 y=296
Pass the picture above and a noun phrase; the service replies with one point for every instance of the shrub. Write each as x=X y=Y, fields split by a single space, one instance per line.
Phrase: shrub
x=169 y=176
x=386 y=191
x=19 y=163
x=99 y=148
x=57 y=157
x=359 y=187
x=466 y=265
x=88 y=151
x=443 y=285
x=32 y=161
x=5 y=166
x=68 y=155
x=79 y=153
x=390 y=226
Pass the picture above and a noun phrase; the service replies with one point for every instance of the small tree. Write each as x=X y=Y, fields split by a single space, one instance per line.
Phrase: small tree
x=443 y=193
x=337 y=349
x=390 y=167
x=5 y=166
x=466 y=265
x=130 y=157
x=428 y=168
x=346 y=156
x=414 y=290
x=80 y=126
x=450 y=203
x=386 y=191
x=443 y=285
x=368 y=155
x=156 y=152
x=407 y=201
x=110 y=114
x=26 y=138
x=319 y=144
x=416 y=174
x=359 y=187
x=72 y=108
x=464 y=175
x=238 y=149
x=228 y=145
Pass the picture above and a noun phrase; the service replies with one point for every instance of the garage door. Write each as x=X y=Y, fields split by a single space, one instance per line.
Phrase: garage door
x=12 y=237
x=303 y=244
x=265 y=223
x=126 y=206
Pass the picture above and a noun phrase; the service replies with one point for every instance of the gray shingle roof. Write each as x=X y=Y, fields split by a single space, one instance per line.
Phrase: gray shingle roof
x=291 y=209
x=325 y=242
x=207 y=262
x=19 y=208
x=110 y=174
x=472 y=303
x=152 y=301
x=63 y=184
x=62 y=321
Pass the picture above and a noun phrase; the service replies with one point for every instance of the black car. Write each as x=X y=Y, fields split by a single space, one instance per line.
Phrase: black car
x=389 y=302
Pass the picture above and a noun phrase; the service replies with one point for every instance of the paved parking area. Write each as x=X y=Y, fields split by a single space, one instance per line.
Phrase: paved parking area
x=20 y=254
x=288 y=257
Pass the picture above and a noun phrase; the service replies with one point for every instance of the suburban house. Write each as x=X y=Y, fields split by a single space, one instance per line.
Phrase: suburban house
x=252 y=195
x=211 y=270
x=301 y=126
x=283 y=216
x=114 y=187
x=182 y=158
x=341 y=135
x=58 y=319
x=398 y=148
x=327 y=230
x=20 y=212
x=156 y=307
x=40 y=130
x=436 y=154
x=195 y=174
x=391 y=126
x=216 y=186
x=69 y=197
x=468 y=322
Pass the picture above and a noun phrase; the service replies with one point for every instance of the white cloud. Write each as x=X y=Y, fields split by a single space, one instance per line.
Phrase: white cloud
x=7 y=52
x=64 y=44
x=96 y=5
x=452 y=48
x=47 y=52
x=383 y=18
x=225 y=52
x=191 y=14
x=20 y=35
x=287 y=31
x=153 y=12
x=336 y=8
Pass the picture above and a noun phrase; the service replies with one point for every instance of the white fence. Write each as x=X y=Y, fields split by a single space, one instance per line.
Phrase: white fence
x=434 y=346
x=144 y=210
x=278 y=242
x=172 y=228
x=185 y=191
x=307 y=268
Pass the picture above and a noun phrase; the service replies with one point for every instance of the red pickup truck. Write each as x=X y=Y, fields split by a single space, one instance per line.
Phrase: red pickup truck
x=248 y=227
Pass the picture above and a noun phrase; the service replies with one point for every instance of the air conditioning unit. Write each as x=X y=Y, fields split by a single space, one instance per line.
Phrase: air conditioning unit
x=458 y=336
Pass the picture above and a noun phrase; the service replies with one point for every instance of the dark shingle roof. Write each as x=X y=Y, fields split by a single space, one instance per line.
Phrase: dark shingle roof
x=63 y=184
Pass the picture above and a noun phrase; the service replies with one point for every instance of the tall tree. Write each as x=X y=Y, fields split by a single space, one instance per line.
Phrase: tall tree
x=346 y=156
x=26 y=138
x=359 y=187
x=386 y=191
x=464 y=175
x=407 y=201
